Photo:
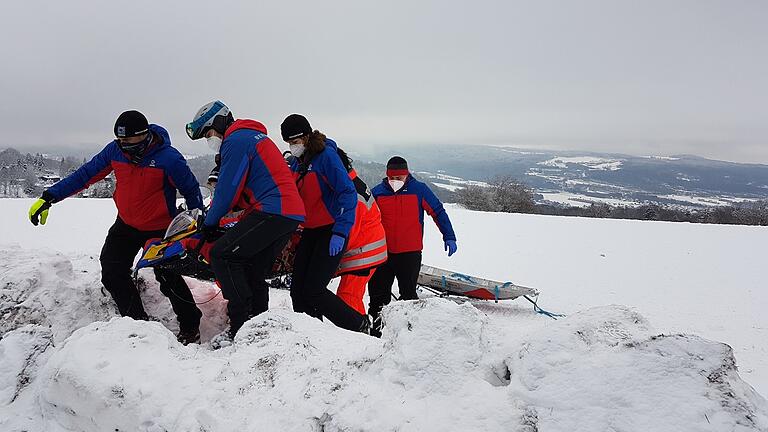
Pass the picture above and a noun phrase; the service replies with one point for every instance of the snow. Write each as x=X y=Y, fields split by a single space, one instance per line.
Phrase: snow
x=710 y=201
x=650 y=305
x=592 y=163
x=668 y=158
x=451 y=180
x=452 y=188
x=579 y=200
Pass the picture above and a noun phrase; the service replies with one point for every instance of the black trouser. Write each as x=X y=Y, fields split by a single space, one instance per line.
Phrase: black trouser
x=241 y=259
x=403 y=266
x=120 y=247
x=313 y=268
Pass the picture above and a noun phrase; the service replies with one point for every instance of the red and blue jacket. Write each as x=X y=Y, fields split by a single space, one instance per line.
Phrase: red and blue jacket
x=329 y=195
x=145 y=193
x=402 y=214
x=253 y=175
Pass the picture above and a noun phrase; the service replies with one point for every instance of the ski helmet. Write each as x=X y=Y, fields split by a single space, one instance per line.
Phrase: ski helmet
x=213 y=115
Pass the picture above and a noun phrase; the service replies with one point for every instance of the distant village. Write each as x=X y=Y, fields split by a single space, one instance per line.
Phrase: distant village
x=27 y=175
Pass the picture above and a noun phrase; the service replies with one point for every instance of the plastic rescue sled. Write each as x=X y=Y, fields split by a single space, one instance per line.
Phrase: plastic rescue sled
x=182 y=252
x=452 y=283
x=179 y=249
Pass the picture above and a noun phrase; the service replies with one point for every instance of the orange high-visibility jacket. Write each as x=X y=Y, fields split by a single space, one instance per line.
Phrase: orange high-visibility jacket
x=367 y=247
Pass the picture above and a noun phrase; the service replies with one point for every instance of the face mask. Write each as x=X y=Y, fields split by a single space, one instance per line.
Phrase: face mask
x=135 y=151
x=214 y=143
x=296 y=149
x=396 y=184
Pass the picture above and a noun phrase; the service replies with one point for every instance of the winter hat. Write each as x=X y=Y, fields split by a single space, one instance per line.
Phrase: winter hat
x=397 y=166
x=130 y=124
x=295 y=126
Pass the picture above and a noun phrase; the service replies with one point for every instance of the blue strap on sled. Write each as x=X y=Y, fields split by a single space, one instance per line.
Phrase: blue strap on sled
x=536 y=307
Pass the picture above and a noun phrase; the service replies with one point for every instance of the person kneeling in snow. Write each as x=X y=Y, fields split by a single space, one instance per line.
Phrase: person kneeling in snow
x=148 y=171
x=255 y=178
x=403 y=200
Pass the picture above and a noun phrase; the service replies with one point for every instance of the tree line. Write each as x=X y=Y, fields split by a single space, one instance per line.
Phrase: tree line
x=506 y=194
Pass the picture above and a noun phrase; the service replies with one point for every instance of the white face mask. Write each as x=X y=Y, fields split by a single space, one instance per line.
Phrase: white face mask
x=296 y=149
x=396 y=184
x=214 y=143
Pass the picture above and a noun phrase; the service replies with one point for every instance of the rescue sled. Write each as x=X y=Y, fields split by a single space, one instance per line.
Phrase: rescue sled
x=182 y=251
x=446 y=282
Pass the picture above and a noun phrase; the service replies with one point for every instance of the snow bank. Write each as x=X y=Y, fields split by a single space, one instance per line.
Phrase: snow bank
x=41 y=287
x=439 y=366
x=68 y=364
x=605 y=369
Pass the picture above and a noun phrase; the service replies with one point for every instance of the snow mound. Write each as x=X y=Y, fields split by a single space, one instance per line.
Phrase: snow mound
x=41 y=287
x=605 y=369
x=22 y=351
x=439 y=366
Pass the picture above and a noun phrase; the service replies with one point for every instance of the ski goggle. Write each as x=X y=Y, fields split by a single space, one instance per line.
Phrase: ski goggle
x=191 y=131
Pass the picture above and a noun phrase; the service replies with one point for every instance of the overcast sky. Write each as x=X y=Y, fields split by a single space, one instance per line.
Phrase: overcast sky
x=638 y=77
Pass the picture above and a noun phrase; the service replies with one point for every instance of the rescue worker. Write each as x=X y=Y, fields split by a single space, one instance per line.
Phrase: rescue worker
x=367 y=248
x=403 y=201
x=254 y=177
x=330 y=199
x=148 y=172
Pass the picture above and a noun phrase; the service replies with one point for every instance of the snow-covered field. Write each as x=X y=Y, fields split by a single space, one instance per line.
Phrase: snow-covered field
x=592 y=163
x=711 y=201
x=580 y=200
x=67 y=365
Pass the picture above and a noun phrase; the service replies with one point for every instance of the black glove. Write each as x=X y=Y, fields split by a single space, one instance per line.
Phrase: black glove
x=211 y=233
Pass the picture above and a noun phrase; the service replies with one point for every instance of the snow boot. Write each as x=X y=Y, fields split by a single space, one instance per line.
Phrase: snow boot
x=365 y=327
x=375 y=329
x=188 y=336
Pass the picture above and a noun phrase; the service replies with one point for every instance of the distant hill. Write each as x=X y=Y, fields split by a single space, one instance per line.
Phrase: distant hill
x=583 y=177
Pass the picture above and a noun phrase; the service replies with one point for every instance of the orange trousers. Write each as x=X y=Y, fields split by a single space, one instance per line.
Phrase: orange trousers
x=351 y=290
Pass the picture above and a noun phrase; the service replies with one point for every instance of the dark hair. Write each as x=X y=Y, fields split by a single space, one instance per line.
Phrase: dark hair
x=345 y=159
x=315 y=144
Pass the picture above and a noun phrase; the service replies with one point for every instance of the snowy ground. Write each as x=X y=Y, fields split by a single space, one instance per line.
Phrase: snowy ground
x=592 y=163
x=65 y=366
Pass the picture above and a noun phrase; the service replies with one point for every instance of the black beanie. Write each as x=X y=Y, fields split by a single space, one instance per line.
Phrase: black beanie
x=397 y=162
x=295 y=126
x=130 y=124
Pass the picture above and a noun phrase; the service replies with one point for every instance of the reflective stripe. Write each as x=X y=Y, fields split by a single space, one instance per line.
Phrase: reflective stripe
x=365 y=248
x=368 y=202
x=363 y=261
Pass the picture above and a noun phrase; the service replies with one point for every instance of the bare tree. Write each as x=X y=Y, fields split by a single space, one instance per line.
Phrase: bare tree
x=476 y=198
x=504 y=194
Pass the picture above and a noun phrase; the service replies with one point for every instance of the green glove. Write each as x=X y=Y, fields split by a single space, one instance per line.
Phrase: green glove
x=39 y=210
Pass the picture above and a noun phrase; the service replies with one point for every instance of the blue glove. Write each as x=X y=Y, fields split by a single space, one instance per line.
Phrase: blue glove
x=336 y=245
x=450 y=246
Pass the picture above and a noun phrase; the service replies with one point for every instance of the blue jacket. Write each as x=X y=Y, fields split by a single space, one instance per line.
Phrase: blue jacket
x=402 y=214
x=253 y=175
x=145 y=193
x=329 y=195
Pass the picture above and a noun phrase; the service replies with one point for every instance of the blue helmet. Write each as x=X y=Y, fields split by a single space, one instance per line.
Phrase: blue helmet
x=213 y=115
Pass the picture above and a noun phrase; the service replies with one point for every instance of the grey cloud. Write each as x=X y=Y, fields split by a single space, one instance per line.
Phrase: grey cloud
x=637 y=77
